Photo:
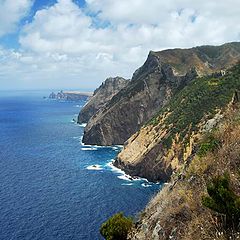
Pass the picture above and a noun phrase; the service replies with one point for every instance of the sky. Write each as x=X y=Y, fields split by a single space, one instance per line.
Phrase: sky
x=77 y=44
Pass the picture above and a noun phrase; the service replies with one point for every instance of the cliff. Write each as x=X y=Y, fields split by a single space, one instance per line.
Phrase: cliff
x=70 y=95
x=101 y=96
x=161 y=77
x=166 y=144
x=177 y=211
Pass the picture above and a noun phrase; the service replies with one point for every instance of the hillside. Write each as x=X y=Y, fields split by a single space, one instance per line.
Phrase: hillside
x=162 y=76
x=166 y=143
x=178 y=210
x=101 y=96
x=206 y=59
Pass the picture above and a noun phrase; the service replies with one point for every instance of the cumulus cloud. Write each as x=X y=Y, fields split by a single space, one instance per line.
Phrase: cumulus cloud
x=11 y=12
x=176 y=22
x=131 y=25
x=62 y=27
x=28 y=70
x=157 y=12
x=106 y=37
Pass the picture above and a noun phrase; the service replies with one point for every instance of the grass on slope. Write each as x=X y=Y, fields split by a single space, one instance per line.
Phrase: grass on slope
x=178 y=207
x=200 y=99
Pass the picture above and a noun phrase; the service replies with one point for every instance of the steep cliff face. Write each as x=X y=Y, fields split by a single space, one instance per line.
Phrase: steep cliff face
x=166 y=144
x=101 y=96
x=152 y=86
x=177 y=211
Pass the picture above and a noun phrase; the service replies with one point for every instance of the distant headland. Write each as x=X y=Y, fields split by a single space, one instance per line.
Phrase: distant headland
x=71 y=95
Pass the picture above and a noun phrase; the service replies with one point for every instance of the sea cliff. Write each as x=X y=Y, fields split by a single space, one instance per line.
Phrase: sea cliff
x=101 y=97
x=168 y=141
x=152 y=86
x=178 y=210
x=178 y=118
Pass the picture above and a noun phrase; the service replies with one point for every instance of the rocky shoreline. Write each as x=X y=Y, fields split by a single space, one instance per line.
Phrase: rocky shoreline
x=151 y=89
x=171 y=118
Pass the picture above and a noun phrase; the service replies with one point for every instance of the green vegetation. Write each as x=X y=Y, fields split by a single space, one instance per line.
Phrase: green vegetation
x=211 y=51
x=116 y=227
x=201 y=99
x=223 y=200
x=215 y=52
x=209 y=144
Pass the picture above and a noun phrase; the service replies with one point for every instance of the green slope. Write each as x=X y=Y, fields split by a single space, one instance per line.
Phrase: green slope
x=203 y=97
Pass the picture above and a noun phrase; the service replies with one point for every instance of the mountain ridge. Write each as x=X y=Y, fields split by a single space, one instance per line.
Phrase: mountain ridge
x=162 y=75
x=162 y=146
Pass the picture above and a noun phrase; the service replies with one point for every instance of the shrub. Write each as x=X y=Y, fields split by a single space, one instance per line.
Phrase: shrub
x=223 y=200
x=208 y=145
x=200 y=99
x=116 y=227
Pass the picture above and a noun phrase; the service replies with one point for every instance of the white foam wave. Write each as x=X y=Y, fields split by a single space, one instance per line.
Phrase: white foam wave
x=145 y=185
x=122 y=175
x=83 y=144
x=94 y=167
x=78 y=106
x=113 y=168
x=82 y=125
x=89 y=149
x=119 y=147
x=79 y=138
x=114 y=147
x=125 y=177
x=126 y=184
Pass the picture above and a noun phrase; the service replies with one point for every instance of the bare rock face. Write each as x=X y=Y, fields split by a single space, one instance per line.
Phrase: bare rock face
x=144 y=154
x=167 y=143
x=150 y=88
x=177 y=212
x=163 y=74
x=101 y=96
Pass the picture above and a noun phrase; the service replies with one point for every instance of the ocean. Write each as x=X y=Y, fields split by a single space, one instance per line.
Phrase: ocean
x=51 y=185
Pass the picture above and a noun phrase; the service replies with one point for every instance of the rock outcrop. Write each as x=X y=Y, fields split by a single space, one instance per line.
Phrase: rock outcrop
x=163 y=75
x=70 y=95
x=177 y=211
x=101 y=96
x=166 y=144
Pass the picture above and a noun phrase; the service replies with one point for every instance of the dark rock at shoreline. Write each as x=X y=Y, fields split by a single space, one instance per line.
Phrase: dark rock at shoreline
x=152 y=86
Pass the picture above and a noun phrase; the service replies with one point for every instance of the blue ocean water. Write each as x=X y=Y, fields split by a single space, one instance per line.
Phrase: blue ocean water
x=48 y=187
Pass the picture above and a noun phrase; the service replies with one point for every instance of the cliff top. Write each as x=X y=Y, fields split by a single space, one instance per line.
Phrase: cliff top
x=206 y=59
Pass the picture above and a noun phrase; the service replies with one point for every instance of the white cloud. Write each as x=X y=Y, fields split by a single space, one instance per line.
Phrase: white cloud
x=62 y=27
x=153 y=25
x=28 y=70
x=158 y=11
x=65 y=44
x=174 y=22
x=11 y=12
